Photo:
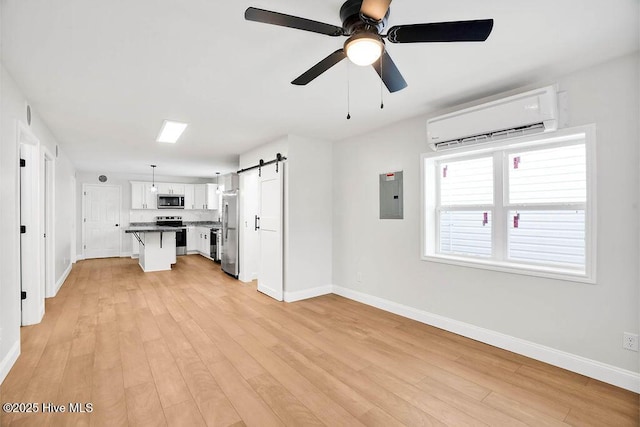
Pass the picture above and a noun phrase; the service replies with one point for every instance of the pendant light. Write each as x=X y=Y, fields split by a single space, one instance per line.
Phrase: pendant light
x=153 y=185
x=217 y=185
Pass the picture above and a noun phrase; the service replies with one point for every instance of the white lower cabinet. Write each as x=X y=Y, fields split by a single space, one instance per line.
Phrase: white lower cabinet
x=204 y=241
x=193 y=241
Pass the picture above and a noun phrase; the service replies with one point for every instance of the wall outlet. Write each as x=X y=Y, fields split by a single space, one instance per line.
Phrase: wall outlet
x=630 y=341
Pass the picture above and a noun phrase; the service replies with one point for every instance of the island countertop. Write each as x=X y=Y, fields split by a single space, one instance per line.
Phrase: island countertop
x=150 y=229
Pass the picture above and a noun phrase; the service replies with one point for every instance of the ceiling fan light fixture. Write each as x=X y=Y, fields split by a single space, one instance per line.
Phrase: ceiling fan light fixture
x=364 y=48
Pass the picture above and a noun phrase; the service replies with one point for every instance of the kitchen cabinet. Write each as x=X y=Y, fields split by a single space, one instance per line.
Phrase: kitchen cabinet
x=199 y=197
x=193 y=239
x=170 y=188
x=151 y=197
x=189 y=196
x=230 y=182
x=211 y=197
x=202 y=236
x=142 y=197
x=205 y=196
x=137 y=195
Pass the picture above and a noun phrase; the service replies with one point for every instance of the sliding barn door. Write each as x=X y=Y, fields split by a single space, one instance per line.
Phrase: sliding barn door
x=270 y=276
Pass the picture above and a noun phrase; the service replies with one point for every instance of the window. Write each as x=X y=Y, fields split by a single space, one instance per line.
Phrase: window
x=523 y=206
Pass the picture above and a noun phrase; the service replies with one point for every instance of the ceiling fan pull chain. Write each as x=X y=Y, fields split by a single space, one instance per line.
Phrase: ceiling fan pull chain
x=381 y=91
x=348 y=93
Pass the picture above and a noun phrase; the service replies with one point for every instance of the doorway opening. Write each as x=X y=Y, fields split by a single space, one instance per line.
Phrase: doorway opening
x=37 y=250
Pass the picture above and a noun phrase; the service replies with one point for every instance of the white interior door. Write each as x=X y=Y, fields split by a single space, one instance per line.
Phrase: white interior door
x=270 y=275
x=31 y=237
x=101 y=221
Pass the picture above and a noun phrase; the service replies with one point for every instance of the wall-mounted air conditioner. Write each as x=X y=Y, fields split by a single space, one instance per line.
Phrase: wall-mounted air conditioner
x=526 y=113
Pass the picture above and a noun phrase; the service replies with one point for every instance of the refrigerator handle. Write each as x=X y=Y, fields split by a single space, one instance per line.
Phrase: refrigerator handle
x=256 y=223
x=226 y=221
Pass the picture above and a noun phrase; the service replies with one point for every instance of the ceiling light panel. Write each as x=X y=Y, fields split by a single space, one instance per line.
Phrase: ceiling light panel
x=171 y=131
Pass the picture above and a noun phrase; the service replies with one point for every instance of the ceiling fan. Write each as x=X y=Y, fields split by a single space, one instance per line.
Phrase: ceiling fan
x=363 y=22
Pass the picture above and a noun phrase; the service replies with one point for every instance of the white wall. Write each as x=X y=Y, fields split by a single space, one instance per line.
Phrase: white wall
x=13 y=108
x=126 y=214
x=65 y=214
x=581 y=319
x=310 y=221
x=307 y=211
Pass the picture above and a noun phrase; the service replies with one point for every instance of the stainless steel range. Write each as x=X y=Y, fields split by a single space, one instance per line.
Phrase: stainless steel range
x=181 y=231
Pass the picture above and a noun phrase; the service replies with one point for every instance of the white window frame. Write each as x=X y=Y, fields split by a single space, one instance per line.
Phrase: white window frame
x=429 y=193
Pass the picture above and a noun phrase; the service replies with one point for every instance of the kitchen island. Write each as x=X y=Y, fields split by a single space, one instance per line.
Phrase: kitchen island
x=157 y=246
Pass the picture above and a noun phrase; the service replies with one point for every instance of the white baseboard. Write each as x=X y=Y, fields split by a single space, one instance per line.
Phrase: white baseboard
x=308 y=293
x=269 y=292
x=126 y=255
x=61 y=280
x=79 y=257
x=9 y=360
x=600 y=371
x=246 y=278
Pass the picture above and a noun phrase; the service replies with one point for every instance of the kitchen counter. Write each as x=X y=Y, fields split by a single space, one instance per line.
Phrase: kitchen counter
x=207 y=224
x=157 y=246
x=150 y=228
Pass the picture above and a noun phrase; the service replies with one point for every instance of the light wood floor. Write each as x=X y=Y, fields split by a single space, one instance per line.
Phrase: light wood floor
x=193 y=347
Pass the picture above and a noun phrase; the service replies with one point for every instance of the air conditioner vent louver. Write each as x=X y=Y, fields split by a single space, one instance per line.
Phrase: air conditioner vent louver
x=493 y=136
x=518 y=115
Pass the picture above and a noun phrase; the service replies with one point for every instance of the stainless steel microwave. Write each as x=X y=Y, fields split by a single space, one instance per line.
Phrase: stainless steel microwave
x=170 y=201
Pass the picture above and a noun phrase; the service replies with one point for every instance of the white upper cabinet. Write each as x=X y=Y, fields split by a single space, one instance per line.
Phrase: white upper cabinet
x=196 y=196
x=142 y=197
x=137 y=195
x=170 y=188
x=211 y=196
x=189 y=196
x=177 y=189
x=199 y=196
x=150 y=197
x=205 y=196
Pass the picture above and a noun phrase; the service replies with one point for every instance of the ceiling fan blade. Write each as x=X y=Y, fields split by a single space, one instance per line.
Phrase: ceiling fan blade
x=389 y=73
x=320 y=68
x=375 y=9
x=457 y=31
x=275 y=18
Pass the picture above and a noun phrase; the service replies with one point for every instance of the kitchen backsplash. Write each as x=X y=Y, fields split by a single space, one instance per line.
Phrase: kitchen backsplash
x=187 y=215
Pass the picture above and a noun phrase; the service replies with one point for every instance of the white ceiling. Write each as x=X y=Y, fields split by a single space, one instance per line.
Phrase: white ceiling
x=105 y=74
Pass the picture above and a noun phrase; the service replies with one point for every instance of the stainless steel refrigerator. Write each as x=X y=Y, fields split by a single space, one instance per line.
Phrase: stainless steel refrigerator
x=230 y=218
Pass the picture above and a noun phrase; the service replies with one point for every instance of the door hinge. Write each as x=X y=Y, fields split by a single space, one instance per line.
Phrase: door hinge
x=23 y=295
x=23 y=229
x=45 y=235
x=23 y=163
x=85 y=246
x=85 y=193
x=84 y=220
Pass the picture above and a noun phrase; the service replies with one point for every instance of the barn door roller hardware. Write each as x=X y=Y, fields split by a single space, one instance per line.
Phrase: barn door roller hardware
x=279 y=158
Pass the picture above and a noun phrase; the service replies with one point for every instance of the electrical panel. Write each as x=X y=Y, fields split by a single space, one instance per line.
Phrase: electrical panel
x=391 y=200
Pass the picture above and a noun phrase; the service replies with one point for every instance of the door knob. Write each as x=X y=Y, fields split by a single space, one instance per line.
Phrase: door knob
x=117 y=225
